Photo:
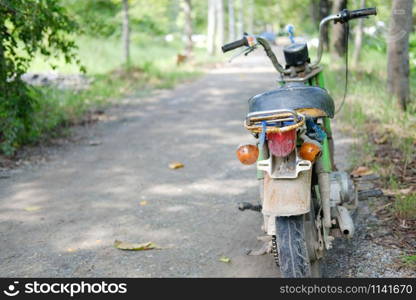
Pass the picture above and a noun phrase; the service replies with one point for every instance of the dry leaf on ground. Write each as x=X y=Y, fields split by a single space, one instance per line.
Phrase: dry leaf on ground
x=225 y=259
x=176 y=165
x=381 y=140
x=135 y=246
x=94 y=143
x=143 y=203
x=32 y=208
x=388 y=192
x=361 y=171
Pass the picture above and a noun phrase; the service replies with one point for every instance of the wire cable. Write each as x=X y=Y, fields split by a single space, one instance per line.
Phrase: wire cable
x=347 y=33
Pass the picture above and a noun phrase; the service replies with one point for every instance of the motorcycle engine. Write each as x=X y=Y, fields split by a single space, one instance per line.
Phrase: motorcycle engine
x=342 y=189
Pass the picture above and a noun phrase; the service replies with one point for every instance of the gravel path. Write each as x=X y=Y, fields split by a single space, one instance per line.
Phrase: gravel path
x=60 y=218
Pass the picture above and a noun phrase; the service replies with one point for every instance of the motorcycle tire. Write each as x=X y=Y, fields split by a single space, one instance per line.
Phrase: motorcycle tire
x=294 y=260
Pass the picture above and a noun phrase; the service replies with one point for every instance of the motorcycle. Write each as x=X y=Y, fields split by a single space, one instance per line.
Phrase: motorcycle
x=305 y=202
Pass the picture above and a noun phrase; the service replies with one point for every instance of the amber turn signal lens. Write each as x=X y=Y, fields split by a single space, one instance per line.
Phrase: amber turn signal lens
x=247 y=154
x=309 y=151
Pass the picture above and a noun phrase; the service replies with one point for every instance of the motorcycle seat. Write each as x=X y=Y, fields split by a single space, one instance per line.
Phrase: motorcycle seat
x=310 y=100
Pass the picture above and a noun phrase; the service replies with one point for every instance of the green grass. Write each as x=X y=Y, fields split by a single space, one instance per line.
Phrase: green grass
x=405 y=206
x=370 y=112
x=368 y=102
x=153 y=65
x=101 y=56
x=409 y=261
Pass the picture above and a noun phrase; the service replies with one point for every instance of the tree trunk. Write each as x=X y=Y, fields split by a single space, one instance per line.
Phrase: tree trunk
x=324 y=11
x=3 y=71
x=240 y=22
x=319 y=10
x=187 y=9
x=338 y=33
x=231 y=21
x=359 y=37
x=314 y=10
x=220 y=25
x=250 y=21
x=211 y=26
x=126 y=33
x=398 y=51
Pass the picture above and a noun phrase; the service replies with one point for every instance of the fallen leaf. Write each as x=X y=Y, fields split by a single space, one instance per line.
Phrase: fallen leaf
x=225 y=259
x=32 y=208
x=381 y=140
x=388 y=192
x=134 y=246
x=143 y=203
x=404 y=225
x=405 y=191
x=176 y=165
x=95 y=143
x=70 y=250
x=361 y=171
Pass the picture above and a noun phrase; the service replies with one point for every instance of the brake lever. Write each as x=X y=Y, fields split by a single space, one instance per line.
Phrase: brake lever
x=245 y=51
x=251 y=49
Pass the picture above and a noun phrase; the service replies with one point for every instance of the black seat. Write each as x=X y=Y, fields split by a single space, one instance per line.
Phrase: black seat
x=293 y=96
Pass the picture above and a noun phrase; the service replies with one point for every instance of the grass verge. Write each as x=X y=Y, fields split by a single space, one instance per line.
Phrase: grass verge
x=152 y=67
x=387 y=140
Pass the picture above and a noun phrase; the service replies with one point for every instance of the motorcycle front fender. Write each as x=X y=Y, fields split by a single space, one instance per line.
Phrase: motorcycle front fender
x=287 y=197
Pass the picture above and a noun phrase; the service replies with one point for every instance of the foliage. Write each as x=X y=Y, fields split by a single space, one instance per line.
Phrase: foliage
x=280 y=13
x=97 y=17
x=102 y=18
x=27 y=27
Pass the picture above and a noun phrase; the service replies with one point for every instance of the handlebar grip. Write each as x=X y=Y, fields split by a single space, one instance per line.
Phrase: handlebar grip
x=362 y=13
x=234 y=45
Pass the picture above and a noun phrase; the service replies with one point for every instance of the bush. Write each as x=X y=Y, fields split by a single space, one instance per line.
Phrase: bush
x=27 y=27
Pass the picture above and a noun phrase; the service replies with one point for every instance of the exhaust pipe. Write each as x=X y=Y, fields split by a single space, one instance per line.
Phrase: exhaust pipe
x=346 y=225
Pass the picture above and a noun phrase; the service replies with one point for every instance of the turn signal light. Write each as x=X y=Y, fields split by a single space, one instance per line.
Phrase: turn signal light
x=247 y=154
x=309 y=151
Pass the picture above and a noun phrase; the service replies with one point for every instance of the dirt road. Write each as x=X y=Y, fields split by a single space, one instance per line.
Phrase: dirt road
x=60 y=219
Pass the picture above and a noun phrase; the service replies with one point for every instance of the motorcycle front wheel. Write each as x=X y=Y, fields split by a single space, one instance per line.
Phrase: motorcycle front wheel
x=294 y=259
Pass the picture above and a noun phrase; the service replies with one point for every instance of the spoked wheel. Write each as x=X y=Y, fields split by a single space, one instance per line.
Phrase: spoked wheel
x=294 y=259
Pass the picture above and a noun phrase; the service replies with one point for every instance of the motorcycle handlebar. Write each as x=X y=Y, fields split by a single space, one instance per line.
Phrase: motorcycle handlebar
x=251 y=41
x=234 y=45
x=343 y=17
x=361 y=13
x=346 y=15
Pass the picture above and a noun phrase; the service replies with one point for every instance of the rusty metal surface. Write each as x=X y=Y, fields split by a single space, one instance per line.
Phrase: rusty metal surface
x=287 y=197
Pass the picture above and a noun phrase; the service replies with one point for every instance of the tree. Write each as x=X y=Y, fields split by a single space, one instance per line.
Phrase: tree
x=215 y=38
x=220 y=24
x=231 y=21
x=338 y=32
x=240 y=22
x=319 y=10
x=359 y=37
x=27 y=27
x=126 y=34
x=187 y=8
x=250 y=19
x=211 y=26
x=398 y=51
